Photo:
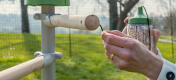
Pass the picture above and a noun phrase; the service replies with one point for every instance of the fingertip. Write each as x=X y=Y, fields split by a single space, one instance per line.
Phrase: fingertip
x=116 y=32
x=108 y=31
x=126 y=20
x=156 y=32
x=113 y=31
x=103 y=34
x=124 y=30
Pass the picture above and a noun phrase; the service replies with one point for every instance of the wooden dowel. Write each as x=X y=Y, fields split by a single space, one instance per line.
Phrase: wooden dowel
x=21 y=70
x=90 y=22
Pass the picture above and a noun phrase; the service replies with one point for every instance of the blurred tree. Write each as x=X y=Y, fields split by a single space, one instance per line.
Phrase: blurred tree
x=170 y=17
x=116 y=20
x=24 y=18
x=113 y=14
x=127 y=6
x=170 y=25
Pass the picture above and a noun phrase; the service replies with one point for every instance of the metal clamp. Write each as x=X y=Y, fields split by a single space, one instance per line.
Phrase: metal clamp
x=45 y=18
x=49 y=58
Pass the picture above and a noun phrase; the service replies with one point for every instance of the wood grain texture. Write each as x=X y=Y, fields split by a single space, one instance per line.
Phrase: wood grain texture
x=90 y=22
x=21 y=70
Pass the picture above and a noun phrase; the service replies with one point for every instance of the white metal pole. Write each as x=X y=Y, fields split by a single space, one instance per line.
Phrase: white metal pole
x=48 y=44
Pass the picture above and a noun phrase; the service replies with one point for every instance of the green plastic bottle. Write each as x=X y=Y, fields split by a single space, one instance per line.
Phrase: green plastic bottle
x=138 y=28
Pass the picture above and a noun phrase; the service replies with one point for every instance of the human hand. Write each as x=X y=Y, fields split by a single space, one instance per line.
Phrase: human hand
x=131 y=55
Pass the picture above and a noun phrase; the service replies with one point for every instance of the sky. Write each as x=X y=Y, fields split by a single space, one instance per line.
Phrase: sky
x=85 y=7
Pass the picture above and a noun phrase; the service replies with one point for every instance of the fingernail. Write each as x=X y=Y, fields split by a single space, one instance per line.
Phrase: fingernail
x=103 y=35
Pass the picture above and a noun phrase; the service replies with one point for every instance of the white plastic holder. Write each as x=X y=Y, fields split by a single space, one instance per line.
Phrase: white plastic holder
x=49 y=58
x=44 y=17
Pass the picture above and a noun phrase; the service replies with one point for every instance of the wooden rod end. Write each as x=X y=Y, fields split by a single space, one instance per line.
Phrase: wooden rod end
x=92 y=22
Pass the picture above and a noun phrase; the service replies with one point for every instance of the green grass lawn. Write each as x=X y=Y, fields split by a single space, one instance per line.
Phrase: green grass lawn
x=88 y=61
x=167 y=37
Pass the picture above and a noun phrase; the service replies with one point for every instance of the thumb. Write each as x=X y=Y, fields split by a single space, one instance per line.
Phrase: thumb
x=126 y=20
x=156 y=35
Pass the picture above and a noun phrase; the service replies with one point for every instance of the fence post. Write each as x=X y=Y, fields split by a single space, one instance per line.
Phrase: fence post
x=48 y=44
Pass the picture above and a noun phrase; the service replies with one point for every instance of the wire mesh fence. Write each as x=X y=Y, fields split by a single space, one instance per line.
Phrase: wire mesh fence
x=17 y=47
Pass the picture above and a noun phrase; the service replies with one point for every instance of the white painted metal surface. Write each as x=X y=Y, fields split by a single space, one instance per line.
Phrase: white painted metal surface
x=48 y=44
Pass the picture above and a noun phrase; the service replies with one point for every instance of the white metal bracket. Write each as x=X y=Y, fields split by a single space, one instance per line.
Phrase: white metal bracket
x=45 y=18
x=49 y=58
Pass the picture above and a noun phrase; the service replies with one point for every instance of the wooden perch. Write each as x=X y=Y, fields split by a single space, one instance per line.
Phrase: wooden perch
x=21 y=70
x=90 y=22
